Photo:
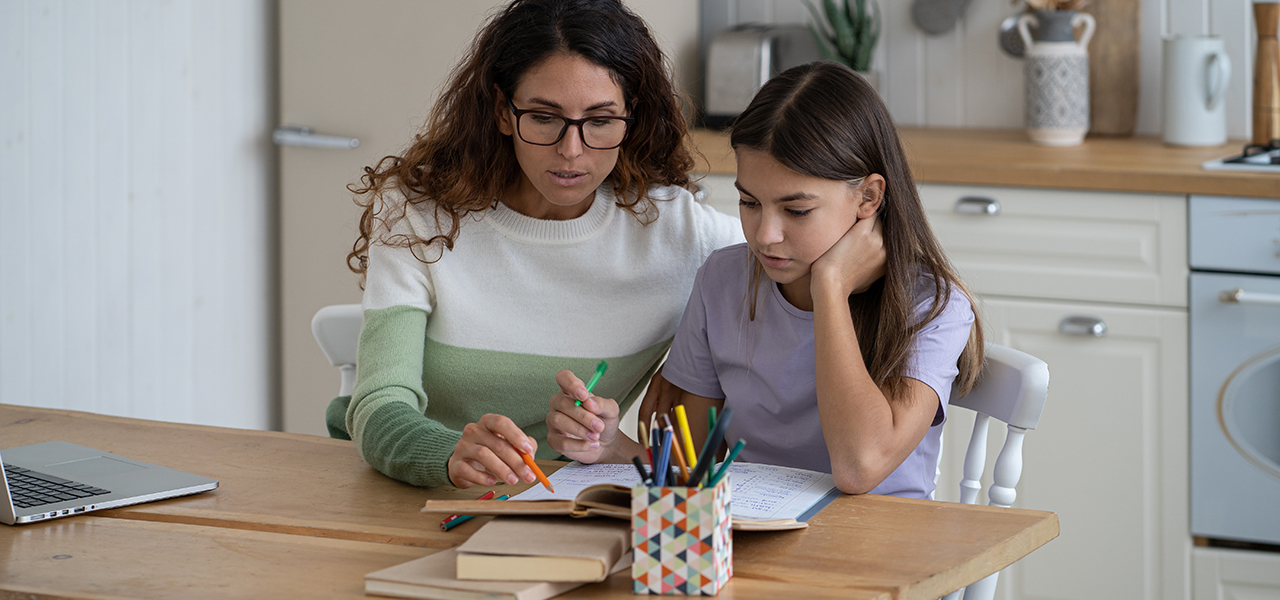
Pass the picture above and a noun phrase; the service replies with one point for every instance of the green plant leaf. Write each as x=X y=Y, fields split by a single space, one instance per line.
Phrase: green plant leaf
x=846 y=41
x=819 y=25
x=870 y=34
x=824 y=46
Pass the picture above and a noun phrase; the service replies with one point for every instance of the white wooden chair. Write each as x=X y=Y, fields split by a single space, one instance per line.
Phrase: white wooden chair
x=337 y=330
x=1012 y=389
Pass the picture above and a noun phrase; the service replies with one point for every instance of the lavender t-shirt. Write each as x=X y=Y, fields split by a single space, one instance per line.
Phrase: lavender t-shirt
x=764 y=369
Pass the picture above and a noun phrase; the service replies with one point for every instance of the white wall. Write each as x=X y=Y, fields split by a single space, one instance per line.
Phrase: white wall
x=136 y=208
x=962 y=79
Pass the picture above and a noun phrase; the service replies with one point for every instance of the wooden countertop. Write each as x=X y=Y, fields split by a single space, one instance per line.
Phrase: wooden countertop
x=1006 y=157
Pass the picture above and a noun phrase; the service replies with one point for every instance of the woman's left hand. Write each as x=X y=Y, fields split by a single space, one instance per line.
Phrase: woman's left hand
x=587 y=432
x=855 y=261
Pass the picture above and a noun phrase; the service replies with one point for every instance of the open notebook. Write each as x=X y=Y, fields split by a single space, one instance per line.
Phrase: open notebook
x=764 y=497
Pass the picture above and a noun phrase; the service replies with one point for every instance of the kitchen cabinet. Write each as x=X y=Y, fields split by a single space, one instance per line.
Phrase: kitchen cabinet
x=1110 y=453
x=1223 y=574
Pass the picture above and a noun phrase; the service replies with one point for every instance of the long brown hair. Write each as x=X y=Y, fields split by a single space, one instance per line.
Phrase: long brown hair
x=461 y=163
x=824 y=120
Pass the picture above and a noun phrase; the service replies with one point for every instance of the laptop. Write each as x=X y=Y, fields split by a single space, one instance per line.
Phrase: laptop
x=60 y=479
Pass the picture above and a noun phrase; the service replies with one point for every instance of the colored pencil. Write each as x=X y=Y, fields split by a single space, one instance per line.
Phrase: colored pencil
x=675 y=447
x=644 y=476
x=487 y=495
x=724 y=467
x=708 y=454
x=528 y=460
x=456 y=520
x=682 y=419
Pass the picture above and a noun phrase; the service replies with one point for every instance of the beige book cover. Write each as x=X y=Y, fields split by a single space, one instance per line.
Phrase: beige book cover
x=544 y=549
x=433 y=577
x=605 y=500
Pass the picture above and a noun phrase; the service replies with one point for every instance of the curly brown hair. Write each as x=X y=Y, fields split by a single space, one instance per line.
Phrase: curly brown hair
x=461 y=163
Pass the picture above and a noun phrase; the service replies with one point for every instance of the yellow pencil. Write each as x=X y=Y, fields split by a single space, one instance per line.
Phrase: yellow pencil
x=683 y=420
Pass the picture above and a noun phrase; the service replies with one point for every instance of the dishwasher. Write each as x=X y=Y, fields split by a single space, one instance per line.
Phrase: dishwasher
x=1235 y=369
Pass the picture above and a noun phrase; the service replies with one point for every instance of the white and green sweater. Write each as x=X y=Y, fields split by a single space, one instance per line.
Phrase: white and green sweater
x=486 y=327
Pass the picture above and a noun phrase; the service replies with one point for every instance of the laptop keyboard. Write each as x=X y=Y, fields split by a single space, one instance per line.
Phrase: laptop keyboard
x=33 y=488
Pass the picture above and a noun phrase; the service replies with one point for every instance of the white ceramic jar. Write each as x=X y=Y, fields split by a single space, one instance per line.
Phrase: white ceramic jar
x=1056 y=74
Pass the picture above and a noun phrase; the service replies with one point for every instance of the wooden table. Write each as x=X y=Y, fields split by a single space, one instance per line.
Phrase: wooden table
x=303 y=516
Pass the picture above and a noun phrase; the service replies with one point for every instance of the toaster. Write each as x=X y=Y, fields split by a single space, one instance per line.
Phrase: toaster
x=741 y=59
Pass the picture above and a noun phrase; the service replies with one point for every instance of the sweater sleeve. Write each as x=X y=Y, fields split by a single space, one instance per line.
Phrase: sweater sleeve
x=385 y=417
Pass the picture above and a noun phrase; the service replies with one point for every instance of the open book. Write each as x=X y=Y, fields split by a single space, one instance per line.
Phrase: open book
x=764 y=497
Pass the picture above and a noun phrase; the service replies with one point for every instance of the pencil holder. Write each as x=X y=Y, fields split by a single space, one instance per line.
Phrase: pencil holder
x=682 y=539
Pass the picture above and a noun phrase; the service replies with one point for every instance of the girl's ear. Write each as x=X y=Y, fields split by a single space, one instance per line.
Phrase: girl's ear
x=502 y=112
x=872 y=190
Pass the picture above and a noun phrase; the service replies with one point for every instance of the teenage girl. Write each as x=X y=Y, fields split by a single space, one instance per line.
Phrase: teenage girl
x=839 y=331
x=540 y=221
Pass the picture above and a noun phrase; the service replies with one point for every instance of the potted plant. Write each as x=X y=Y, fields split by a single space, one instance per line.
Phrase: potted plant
x=848 y=33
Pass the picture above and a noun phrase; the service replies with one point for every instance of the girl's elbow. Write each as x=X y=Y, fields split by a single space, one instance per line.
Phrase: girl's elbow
x=852 y=479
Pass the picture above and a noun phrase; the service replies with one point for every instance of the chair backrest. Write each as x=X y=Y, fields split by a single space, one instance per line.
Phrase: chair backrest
x=1012 y=388
x=337 y=330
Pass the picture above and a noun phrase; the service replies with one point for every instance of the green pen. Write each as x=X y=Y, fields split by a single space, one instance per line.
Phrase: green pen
x=600 y=369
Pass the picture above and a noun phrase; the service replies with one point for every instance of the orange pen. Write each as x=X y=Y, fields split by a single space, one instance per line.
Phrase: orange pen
x=528 y=460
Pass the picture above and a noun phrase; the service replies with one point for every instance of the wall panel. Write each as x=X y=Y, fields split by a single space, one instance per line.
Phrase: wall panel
x=136 y=195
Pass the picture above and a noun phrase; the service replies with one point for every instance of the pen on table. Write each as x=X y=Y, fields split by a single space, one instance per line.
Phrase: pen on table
x=487 y=495
x=675 y=447
x=711 y=419
x=724 y=467
x=708 y=454
x=456 y=520
x=600 y=369
x=528 y=460
x=640 y=467
x=682 y=419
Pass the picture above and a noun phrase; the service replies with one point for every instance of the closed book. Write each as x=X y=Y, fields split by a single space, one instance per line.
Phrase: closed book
x=544 y=549
x=433 y=577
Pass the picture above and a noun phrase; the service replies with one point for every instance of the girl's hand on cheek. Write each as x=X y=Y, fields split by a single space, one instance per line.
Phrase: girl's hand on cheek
x=855 y=261
x=583 y=433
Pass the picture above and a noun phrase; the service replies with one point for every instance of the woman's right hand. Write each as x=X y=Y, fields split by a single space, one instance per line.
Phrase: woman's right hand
x=583 y=433
x=486 y=454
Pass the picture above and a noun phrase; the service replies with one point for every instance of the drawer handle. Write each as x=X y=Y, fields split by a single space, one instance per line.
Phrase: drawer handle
x=1085 y=326
x=1239 y=296
x=977 y=205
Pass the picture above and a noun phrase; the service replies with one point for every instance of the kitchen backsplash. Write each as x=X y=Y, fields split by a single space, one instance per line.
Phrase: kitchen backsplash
x=962 y=79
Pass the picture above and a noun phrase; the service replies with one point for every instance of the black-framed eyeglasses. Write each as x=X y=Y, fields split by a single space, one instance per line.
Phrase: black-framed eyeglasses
x=547 y=129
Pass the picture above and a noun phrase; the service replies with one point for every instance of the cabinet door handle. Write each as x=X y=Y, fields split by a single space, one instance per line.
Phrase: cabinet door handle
x=977 y=205
x=1239 y=296
x=1081 y=325
x=287 y=135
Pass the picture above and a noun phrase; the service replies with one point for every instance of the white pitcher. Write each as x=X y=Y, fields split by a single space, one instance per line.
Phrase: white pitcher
x=1196 y=72
x=1056 y=74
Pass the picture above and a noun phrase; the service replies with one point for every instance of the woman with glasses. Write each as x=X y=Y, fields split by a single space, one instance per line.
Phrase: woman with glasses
x=540 y=222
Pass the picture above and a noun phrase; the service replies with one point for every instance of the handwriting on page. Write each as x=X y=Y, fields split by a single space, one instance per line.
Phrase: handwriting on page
x=766 y=492
x=575 y=477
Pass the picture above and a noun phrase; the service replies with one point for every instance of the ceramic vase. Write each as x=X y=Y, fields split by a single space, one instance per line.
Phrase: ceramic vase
x=1056 y=75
